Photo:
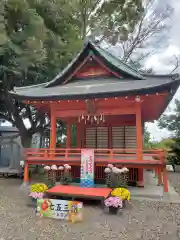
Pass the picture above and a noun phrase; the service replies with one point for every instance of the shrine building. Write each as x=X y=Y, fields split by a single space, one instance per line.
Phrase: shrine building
x=109 y=102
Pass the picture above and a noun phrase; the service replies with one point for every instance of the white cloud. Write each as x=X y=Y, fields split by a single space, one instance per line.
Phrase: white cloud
x=156 y=133
x=162 y=62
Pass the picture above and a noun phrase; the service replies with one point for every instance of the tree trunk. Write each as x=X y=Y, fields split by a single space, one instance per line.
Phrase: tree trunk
x=26 y=140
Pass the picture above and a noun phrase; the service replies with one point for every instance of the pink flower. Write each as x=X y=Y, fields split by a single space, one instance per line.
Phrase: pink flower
x=47 y=168
x=53 y=167
x=61 y=168
x=110 y=166
x=36 y=195
x=107 y=170
x=115 y=170
x=113 y=202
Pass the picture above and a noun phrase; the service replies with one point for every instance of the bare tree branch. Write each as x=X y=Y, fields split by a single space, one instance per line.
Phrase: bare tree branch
x=176 y=65
x=150 y=25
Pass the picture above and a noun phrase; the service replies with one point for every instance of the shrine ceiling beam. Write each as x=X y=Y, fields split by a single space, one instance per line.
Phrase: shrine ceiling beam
x=112 y=111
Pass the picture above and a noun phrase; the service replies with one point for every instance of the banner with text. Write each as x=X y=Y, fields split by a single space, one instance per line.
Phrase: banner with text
x=60 y=209
x=87 y=167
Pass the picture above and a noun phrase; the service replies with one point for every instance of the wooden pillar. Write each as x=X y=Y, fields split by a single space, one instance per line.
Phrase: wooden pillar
x=139 y=140
x=110 y=136
x=165 y=180
x=83 y=136
x=68 y=134
x=159 y=176
x=78 y=135
x=53 y=128
x=26 y=173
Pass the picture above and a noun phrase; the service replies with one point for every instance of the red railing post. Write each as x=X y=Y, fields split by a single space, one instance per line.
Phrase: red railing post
x=111 y=153
x=46 y=153
x=26 y=173
x=66 y=153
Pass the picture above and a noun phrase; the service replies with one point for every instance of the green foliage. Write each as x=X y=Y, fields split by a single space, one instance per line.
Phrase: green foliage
x=149 y=144
x=116 y=19
x=171 y=121
x=165 y=143
x=38 y=38
x=147 y=139
x=174 y=152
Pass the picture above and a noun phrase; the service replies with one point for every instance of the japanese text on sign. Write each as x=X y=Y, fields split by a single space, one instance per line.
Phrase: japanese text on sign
x=60 y=209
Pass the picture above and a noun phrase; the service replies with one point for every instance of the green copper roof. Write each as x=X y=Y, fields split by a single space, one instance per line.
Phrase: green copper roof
x=118 y=63
x=111 y=61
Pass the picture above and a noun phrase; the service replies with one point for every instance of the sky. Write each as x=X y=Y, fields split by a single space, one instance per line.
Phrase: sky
x=160 y=62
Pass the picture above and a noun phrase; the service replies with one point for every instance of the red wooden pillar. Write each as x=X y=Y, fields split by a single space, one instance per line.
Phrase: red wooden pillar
x=159 y=173
x=165 y=179
x=53 y=128
x=110 y=136
x=78 y=135
x=83 y=135
x=139 y=138
x=68 y=134
x=26 y=173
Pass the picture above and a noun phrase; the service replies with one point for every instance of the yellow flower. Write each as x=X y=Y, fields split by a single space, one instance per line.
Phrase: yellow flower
x=122 y=193
x=38 y=187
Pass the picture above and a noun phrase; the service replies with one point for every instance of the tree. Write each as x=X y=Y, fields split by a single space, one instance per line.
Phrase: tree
x=39 y=37
x=147 y=138
x=174 y=152
x=171 y=120
x=149 y=35
x=148 y=143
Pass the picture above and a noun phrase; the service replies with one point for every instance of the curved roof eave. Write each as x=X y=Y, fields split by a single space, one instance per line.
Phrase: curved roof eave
x=151 y=90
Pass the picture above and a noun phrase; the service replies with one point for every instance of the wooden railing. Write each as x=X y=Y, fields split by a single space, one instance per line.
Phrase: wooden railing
x=40 y=155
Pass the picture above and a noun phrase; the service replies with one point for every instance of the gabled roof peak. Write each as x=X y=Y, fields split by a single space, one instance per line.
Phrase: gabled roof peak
x=109 y=60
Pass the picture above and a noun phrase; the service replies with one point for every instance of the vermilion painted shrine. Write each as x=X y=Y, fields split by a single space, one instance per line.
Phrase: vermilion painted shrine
x=109 y=102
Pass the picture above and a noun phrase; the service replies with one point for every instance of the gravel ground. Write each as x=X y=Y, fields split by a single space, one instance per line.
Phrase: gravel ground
x=140 y=220
x=174 y=178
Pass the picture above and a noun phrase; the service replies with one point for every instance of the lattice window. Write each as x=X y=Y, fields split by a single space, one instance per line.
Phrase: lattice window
x=130 y=137
x=102 y=137
x=90 y=137
x=118 y=137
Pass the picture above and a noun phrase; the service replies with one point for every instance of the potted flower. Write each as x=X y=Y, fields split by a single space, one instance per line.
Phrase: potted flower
x=114 y=204
x=116 y=177
x=122 y=193
x=66 y=177
x=37 y=191
x=51 y=174
x=61 y=169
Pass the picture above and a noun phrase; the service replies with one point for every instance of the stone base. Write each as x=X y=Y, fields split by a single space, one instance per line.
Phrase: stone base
x=24 y=188
x=24 y=185
x=140 y=184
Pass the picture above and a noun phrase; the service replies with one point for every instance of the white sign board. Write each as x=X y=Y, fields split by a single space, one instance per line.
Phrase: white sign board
x=59 y=209
x=87 y=167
